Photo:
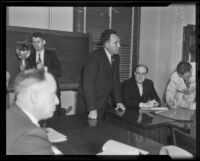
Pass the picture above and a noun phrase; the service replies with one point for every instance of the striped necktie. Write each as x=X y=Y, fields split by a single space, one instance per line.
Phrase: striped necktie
x=39 y=59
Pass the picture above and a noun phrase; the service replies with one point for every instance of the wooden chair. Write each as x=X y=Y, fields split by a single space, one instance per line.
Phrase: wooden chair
x=184 y=140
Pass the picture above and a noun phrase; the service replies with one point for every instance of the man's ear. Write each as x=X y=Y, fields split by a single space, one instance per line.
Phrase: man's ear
x=135 y=74
x=44 y=42
x=106 y=45
x=34 y=96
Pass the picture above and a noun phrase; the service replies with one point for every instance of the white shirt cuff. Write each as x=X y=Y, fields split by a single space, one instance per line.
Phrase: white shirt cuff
x=45 y=69
x=141 y=104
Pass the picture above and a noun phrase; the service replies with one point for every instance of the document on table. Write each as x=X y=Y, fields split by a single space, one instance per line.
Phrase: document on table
x=155 y=108
x=112 y=147
x=55 y=136
x=181 y=114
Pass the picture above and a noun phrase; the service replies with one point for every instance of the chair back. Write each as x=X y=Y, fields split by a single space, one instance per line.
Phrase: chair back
x=184 y=140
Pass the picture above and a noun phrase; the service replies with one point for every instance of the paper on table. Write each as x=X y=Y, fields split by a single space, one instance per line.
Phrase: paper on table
x=112 y=147
x=175 y=152
x=55 y=136
x=155 y=108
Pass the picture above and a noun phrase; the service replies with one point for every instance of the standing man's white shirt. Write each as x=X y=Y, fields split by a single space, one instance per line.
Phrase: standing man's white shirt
x=109 y=56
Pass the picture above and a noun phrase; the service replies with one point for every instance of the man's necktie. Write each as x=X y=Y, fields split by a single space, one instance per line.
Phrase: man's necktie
x=39 y=59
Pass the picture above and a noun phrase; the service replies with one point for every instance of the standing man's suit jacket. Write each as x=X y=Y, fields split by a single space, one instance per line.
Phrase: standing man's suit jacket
x=51 y=61
x=23 y=137
x=100 y=79
x=131 y=94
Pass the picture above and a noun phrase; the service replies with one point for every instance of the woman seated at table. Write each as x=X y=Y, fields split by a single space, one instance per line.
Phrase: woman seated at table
x=181 y=90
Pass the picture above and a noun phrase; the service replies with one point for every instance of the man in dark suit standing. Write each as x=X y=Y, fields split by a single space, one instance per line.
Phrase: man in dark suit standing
x=101 y=76
x=36 y=99
x=46 y=60
x=138 y=91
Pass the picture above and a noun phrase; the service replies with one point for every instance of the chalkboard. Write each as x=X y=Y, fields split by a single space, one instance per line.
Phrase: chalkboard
x=71 y=48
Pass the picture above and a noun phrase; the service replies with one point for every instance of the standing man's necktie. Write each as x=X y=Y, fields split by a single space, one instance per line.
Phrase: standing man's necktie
x=39 y=59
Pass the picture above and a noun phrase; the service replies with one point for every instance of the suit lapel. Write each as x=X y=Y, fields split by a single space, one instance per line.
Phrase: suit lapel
x=106 y=61
x=136 y=87
x=45 y=58
x=144 y=88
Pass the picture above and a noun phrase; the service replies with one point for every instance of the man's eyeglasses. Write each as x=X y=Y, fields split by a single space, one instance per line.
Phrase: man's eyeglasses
x=138 y=73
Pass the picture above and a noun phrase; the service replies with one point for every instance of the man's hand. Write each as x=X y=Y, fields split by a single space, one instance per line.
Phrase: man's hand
x=120 y=112
x=40 y=66
x=172 y=103
x=153 y=103
x=120 y=106
x=92 y=114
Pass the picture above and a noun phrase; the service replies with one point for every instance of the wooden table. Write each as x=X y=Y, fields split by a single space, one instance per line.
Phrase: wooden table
x=147 y=123
x=142 y=122
x=86 y=137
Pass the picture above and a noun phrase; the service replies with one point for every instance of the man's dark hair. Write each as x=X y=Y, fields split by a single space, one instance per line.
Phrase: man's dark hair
x=140 y=65
x=183 y=67
x=105 y=35
x=38 y=34
x=28 y=77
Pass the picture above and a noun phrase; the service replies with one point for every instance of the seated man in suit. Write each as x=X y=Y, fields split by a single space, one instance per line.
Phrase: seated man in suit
x=47 y=60
x=181 y=90
x=138 y=91
x=36 y=99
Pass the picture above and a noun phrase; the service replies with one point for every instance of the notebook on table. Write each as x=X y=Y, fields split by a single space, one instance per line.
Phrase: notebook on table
x=112 y=147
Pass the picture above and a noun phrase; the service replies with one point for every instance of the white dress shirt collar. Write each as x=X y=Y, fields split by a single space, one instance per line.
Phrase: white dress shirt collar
x=140 y=86
x=108 y=55
x=30 y=116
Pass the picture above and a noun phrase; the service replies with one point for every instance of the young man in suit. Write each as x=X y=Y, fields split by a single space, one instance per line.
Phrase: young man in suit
x=138 y=91
x=101 y=76
x=46 y=60
x=36 y=99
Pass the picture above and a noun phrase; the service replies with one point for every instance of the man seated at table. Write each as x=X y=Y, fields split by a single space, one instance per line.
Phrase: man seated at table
x=36 y=99
x=139 y=91
x=181 y=90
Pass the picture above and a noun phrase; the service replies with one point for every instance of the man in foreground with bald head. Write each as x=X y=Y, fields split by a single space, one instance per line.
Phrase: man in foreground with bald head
x=35 y=100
